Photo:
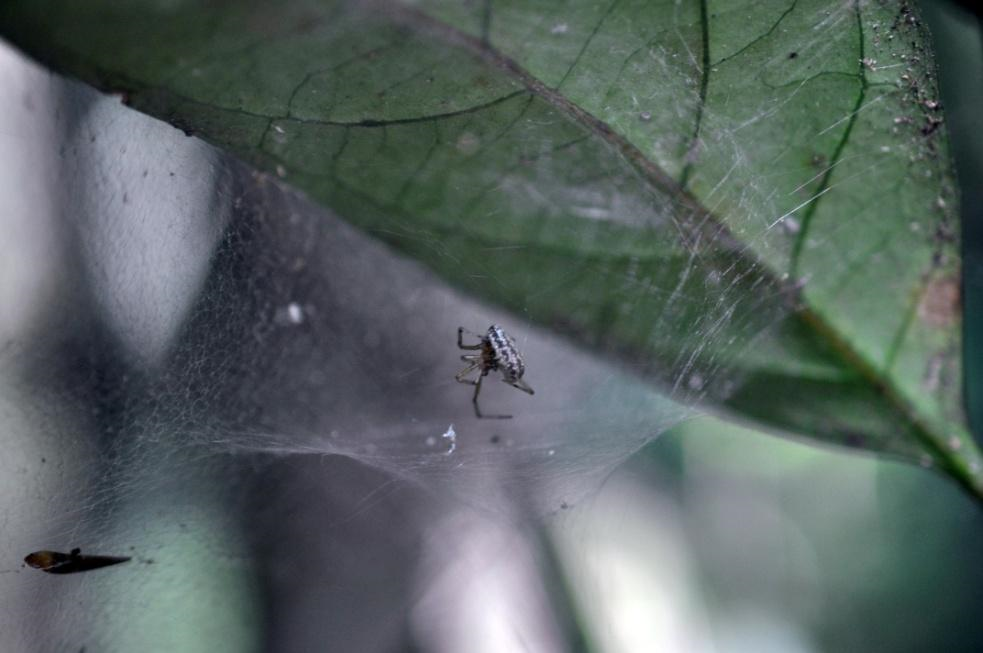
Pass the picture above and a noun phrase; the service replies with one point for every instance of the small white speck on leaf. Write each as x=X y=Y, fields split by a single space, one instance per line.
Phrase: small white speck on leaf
x=467 y=143
x=559 y=28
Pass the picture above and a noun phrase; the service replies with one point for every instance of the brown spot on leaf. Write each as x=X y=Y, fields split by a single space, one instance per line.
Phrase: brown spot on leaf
x=940 y=302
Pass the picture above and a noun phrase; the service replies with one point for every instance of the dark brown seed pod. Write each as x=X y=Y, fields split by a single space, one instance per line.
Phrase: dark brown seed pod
x=54 y=562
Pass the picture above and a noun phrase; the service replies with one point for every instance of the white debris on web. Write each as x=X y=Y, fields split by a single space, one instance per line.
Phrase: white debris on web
x=295 y=313
x=290 y=315
x=452 y=437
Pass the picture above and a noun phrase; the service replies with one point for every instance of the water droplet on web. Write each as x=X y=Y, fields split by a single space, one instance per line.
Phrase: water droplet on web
x=695 y=382
x=430 y=441
x=791 y=226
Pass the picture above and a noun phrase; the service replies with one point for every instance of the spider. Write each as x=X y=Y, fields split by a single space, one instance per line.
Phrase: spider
x=497 y=352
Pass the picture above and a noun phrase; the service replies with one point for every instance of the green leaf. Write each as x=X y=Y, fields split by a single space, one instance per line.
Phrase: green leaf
x=749 y=204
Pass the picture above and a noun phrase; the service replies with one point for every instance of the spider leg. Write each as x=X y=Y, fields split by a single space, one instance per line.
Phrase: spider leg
x=460 y=341
x=459 y=377
x=474 y=400
x=521 y=385
x=471 y=357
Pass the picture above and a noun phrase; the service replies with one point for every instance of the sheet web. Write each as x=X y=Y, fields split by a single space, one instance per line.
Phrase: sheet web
x=342 y=347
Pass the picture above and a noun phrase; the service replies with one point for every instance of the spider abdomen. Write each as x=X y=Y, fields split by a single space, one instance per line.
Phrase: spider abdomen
x=507 y=356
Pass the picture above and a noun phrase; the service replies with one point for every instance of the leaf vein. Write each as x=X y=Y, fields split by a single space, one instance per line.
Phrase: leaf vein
x=587 y=42
x=691 y=148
